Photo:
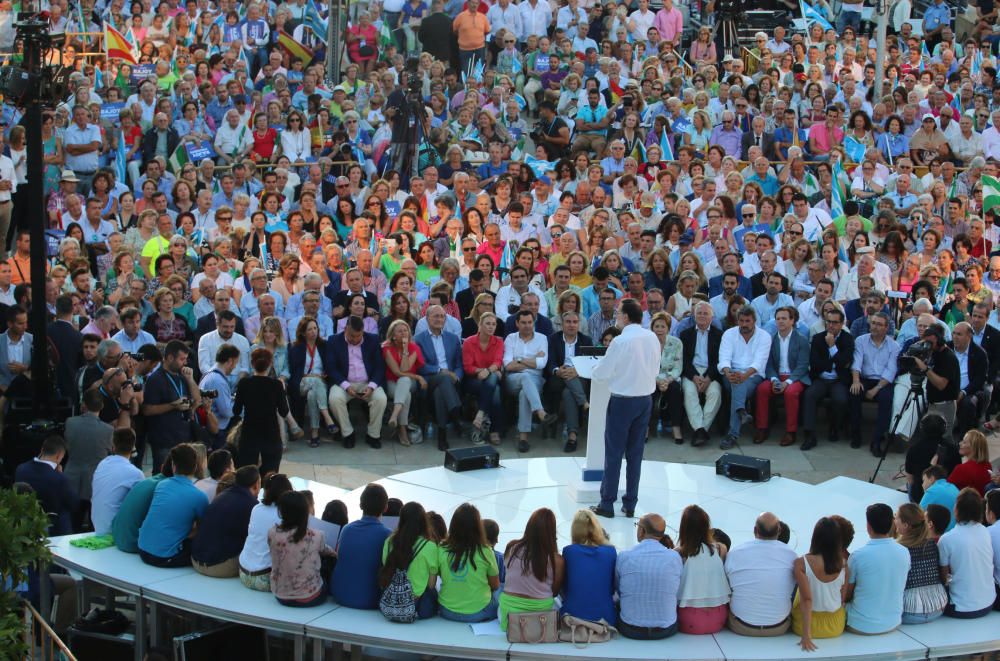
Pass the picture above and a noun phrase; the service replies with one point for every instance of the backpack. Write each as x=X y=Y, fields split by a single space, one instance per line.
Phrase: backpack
x=397 y=602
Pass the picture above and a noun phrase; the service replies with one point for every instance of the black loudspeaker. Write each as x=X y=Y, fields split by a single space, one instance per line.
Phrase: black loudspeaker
x=743 y=468
x=470 y=459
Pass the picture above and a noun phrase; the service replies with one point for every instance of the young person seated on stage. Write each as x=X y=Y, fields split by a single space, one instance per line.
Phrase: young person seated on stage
x=355 y=578
x=255 y=558
x=877 y=577
x=535 y=568
x=222 y=531
x=703 y=598
x=925 y=596
x=939 y=491
x=177 y=506
x=818 y=609
x=132 y=512
x=113 y=480
x=470 y=579
x=220 y=462
x=296 y=579
x=589 y=586
x=966 y=556
x=410 y=549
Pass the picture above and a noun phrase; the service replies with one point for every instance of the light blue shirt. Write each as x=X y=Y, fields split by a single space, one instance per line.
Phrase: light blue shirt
x=878 y=572
x=132 y=345
x=222 y=406
x=942 y=493
x=765 y=309
x=648 y=576
x=875 y=362
x=177 y=503
x=325 y=324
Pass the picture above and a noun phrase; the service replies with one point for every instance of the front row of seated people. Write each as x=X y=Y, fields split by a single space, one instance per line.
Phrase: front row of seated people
x=919 y=563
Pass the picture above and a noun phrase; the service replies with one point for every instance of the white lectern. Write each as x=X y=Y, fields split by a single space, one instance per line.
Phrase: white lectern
x=588 y=487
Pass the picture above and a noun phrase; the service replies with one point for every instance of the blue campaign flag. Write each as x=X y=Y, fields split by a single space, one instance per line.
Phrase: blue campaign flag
x=538 y=166
x=855 y=150
x=121 y=162
x=315 y=21
x=812 y=15
x=668 y=153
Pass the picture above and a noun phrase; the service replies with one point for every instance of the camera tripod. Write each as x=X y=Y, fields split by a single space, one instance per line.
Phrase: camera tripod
x=915 y=396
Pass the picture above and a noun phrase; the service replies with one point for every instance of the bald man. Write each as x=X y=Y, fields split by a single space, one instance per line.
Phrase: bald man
x=648 y=577
x=761 y=577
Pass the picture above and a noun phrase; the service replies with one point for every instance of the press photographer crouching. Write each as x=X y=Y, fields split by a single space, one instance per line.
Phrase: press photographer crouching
x=937 y=362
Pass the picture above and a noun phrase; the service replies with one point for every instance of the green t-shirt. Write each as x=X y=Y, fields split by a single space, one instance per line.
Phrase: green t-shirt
x=423 y=566
x=131 y=514
x=840 y=222
x=468 y=590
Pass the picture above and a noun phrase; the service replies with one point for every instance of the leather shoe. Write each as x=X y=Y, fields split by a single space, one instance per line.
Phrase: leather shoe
x=629 y=513
x=759 y=436
x=442 y=440
x=373 y=442
x=700 y=437
x=809 y=443
x=788 y=439
x=349 y=441
x=856 y=442
x=523 y=446
x=570 y=446
x=600 y=511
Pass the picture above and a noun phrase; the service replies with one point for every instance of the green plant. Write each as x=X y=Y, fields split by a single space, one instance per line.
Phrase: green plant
x=23 y=543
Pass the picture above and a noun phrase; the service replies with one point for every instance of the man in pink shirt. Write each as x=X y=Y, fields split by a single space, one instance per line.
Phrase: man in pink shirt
x=669 y=23
x=824 y=135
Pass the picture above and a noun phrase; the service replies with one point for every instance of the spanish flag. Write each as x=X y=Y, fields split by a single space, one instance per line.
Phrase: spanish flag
x=117 y=46
x=294 y=48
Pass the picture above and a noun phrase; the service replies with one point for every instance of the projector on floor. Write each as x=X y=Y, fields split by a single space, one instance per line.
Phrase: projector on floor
x=743 y=468
x=470 y=459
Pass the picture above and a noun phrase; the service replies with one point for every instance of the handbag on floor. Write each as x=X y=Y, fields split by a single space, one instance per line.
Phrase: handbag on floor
x=532 y=628
x=582 y=632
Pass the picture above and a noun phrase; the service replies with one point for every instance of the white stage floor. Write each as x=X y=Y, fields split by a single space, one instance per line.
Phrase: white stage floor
x=510 y=494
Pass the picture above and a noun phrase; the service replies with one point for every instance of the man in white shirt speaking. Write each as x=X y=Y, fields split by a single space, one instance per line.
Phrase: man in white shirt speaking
x=630 y=368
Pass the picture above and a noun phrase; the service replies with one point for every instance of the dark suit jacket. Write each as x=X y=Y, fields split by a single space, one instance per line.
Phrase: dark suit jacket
x=436 y=32
x=297 y=364
x=820 y=361
x=743 y=288
x=452 y=350
x=335 y=359
x=342 y=297
x=466 y=299
x=335 y=285
x=758 y=287
x=978 y=368
x=53 y=491
x=798 y=357
x=542 y=325
x=766 y=144
x=557 y=350
x=689 y=338
x=991 y=345
x=149 y=143
x=67 y=341
x=206 y=325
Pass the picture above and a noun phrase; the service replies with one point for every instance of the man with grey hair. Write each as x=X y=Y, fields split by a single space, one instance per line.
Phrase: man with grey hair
x=443 y=372
x=233 y=140
x=700 y=377
x=104 y=322
x=310 y=302
x=312 y=282
x=727 y=135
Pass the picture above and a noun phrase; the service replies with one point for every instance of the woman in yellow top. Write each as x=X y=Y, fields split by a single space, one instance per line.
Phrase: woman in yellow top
x=822 y=577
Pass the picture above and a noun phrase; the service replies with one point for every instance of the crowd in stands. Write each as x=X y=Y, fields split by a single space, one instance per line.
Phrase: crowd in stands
x=941 y=557
x=244 y=252
x=791 y=230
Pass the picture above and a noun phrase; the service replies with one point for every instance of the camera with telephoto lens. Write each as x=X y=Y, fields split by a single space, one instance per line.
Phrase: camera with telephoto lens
x=210 y=394
x=907 y=362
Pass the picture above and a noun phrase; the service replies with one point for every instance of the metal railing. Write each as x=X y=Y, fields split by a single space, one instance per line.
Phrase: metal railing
x=42 y=642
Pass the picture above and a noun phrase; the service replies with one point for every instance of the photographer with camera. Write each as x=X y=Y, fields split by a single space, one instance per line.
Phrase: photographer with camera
x=905 y=382
x=214 y=387
x=170 y=394
x=121 y=396
x=551 y=131
x=941 y=369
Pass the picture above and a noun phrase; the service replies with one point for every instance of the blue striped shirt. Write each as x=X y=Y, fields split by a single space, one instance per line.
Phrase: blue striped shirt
x=648 y=577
